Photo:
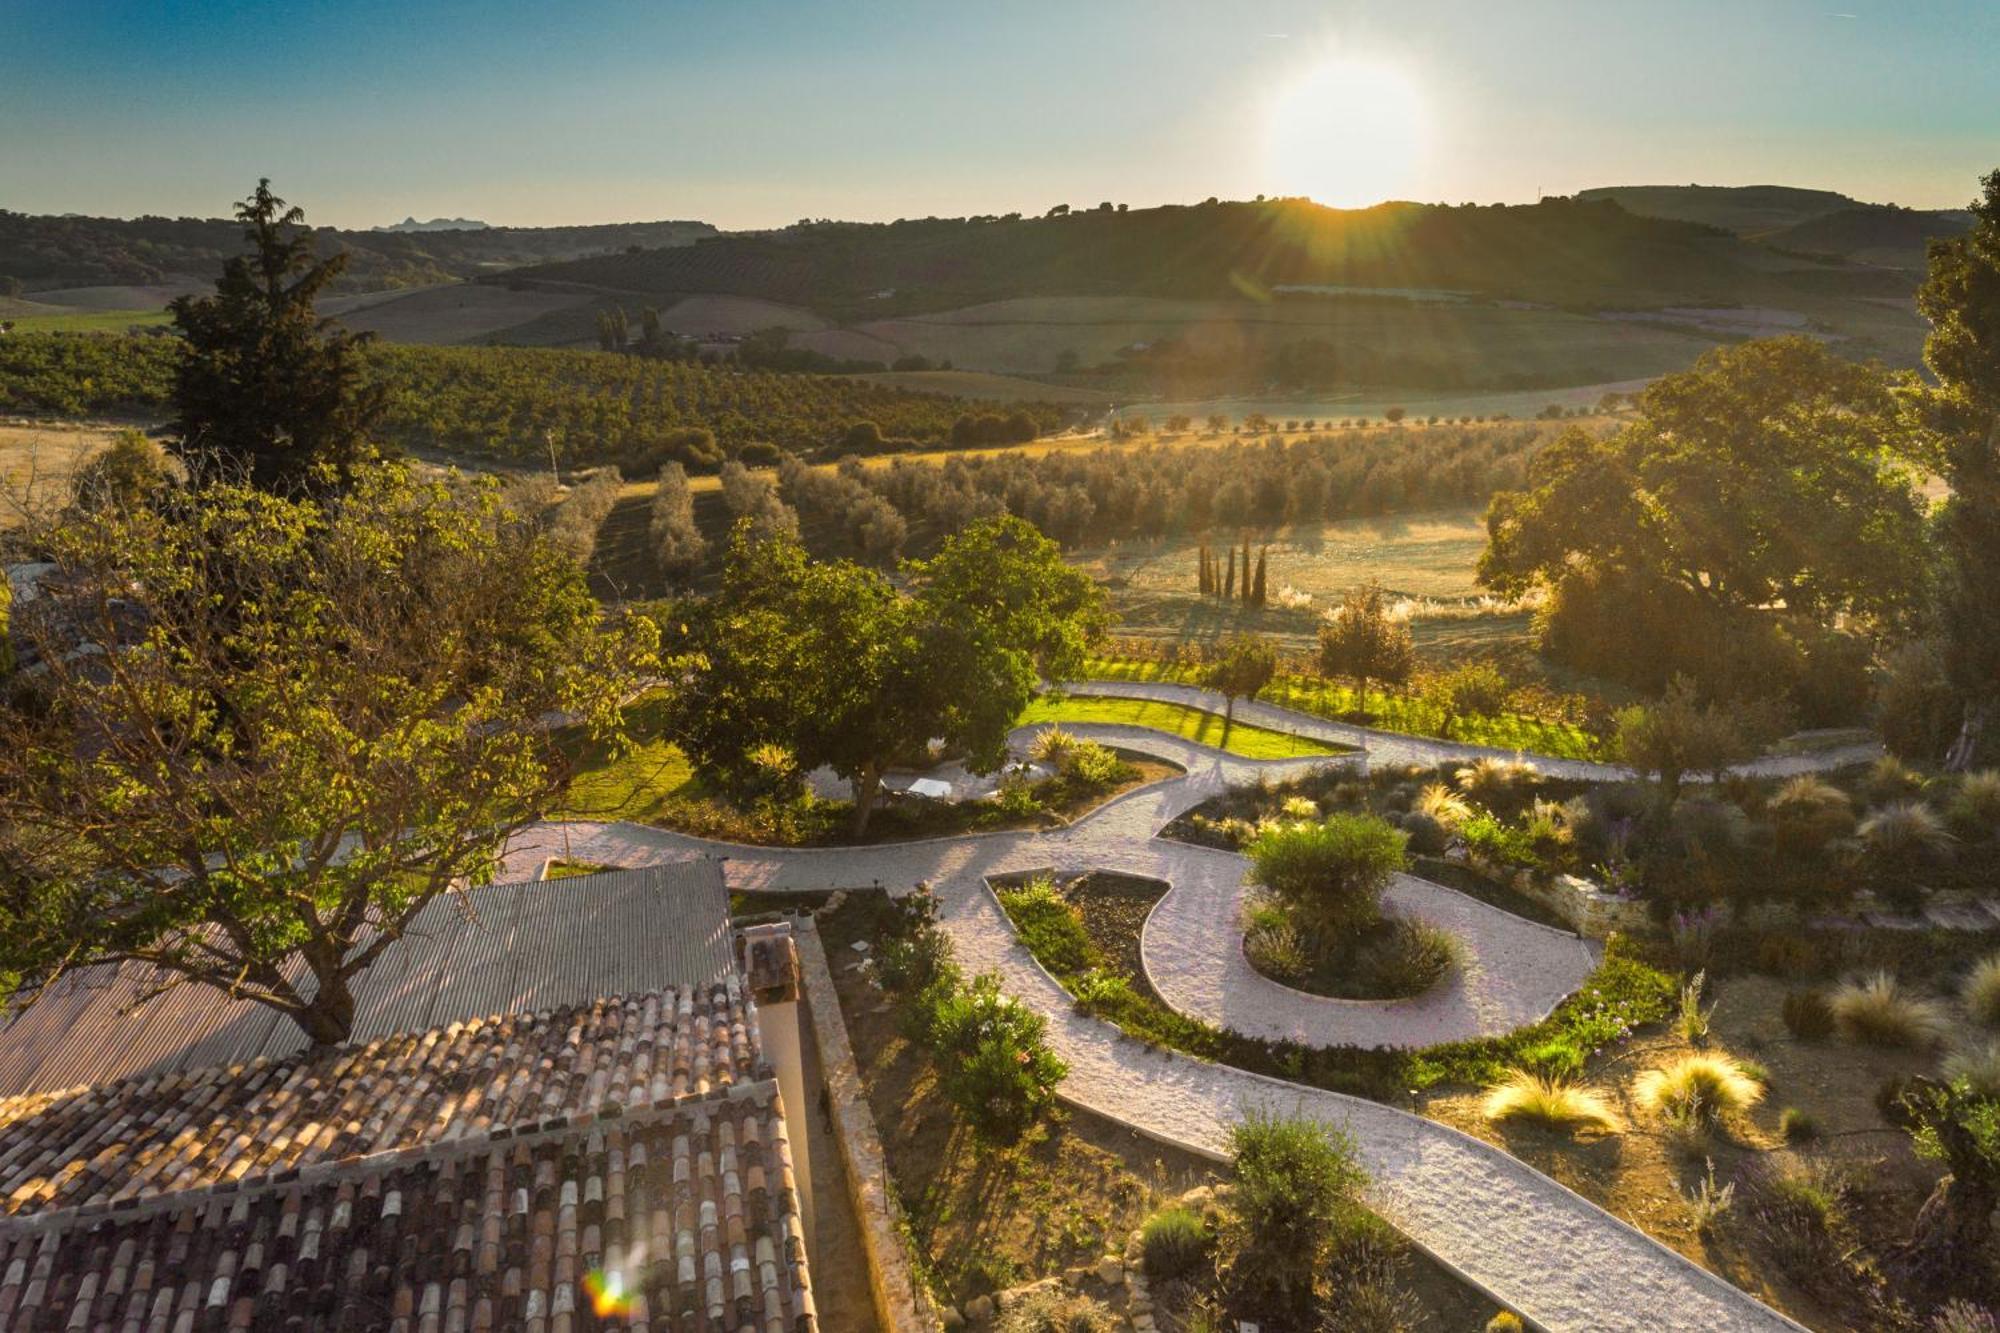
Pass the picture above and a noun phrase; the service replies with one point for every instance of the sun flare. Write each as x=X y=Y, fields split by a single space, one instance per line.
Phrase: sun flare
x=1348 y=132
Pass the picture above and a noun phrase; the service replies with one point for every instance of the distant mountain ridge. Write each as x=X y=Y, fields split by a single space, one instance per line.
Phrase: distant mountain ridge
x=436 y=224
x=50 y=253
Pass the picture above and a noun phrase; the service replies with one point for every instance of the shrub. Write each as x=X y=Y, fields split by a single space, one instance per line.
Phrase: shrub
x=1051 y=927
x=1328 y=875
x=1981 y=991
x=1701 y=1087
x=1798 y=1126
x=1551 y=1102
x=916 y=954
x=1409 y=960
x=1975 y=806
x=996 y=1064
x=1052 y=1310
x=1708 y=1200
x=1359 y=1289
x=1093 y=765
x=1978 y=1068
x=1788 y=956
x=1904 y=835
x=1808 y=815
x=1799 y=1208
x=1427 y=836
x=1505 y=1322
x=1175 y=1240
x=1879 y=1012
x=1495 y=840
x=1808 y=1014
x=1296 y=1184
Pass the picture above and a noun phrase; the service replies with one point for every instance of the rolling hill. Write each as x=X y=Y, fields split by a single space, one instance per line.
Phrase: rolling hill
x=46 y=255
x=1217 y=298
x=1812 y=222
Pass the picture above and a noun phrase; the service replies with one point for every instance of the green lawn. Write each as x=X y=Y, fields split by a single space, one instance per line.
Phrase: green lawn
x=1389 y=712
x=1176 y=720
x=642 y=783
x=91 y=321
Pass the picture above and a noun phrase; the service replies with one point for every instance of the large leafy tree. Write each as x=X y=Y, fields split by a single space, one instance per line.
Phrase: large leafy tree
x=1768 y=479
x=1961 y=298
x=253 y=735
x=264 y=387
x=834 y=662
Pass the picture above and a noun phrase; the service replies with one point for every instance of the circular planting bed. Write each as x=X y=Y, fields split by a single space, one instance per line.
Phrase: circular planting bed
x=1396 y=958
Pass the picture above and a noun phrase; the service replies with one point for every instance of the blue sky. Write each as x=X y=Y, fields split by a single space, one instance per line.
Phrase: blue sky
x=754 y=113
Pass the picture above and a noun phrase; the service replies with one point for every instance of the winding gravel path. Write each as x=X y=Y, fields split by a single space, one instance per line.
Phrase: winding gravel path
x=1561 y=1261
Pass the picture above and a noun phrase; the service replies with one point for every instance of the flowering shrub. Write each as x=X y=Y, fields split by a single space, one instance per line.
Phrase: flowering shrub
x=997 y=1067
x=1491 y=838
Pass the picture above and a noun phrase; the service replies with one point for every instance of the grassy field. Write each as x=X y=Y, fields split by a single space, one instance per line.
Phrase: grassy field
x=1194 y=724
x=90 y=321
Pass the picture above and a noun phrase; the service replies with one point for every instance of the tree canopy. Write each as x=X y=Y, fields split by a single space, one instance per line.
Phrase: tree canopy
x=1770 y=484
x=1239 y=668
x=263 y=385
x=1362 y=641
x=253 y=735
x=1961 y=298
x=833 y=662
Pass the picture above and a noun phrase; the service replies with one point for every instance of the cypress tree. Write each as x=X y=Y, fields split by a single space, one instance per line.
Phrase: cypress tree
x=1229 y=586
x=1204 y=578
x=1257 y=590
x=1246 y=566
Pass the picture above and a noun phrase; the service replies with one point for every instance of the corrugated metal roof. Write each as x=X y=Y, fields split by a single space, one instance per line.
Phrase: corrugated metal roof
x=519 y=948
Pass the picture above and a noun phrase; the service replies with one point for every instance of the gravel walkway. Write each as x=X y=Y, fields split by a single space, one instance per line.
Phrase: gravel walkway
x=1561 y=1261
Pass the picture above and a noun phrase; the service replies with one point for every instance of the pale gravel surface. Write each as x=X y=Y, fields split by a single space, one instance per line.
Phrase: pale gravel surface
x=1561 y=1261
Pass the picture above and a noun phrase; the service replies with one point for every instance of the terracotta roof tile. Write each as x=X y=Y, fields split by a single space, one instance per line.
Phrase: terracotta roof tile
x=227 y=1127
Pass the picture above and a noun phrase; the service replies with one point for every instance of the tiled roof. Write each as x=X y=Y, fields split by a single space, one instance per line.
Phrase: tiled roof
x=508 y=948
x=180 y=1131
x=686 y=1217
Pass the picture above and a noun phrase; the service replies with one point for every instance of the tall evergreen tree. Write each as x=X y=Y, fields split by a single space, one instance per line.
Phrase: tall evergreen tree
x=1229 y=583
x=1257 y=589
x=1961 y=299
x=266 y=388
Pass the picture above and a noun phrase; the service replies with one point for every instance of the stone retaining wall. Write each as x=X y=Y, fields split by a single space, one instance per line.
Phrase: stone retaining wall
x=901 y=1306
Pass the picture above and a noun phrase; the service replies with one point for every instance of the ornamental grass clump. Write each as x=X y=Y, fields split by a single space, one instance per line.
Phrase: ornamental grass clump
x=1808 y=815
x=1551 y=1102
x=1174 y=1240
x=1904 y=836
x=1877 y=1011
x=1981 y=992
x=1975 y=806
x=1977 y=1067
x=1703 y=1087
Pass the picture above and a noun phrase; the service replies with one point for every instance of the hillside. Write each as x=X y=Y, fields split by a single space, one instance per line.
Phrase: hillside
x=48 y=254
x=1224 y=298
x=1895 y=237
x=1743 y=209
x=1812 y=222
x=1558 y=251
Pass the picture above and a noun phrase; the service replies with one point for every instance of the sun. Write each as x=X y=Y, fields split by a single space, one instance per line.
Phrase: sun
x=1348 y=132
